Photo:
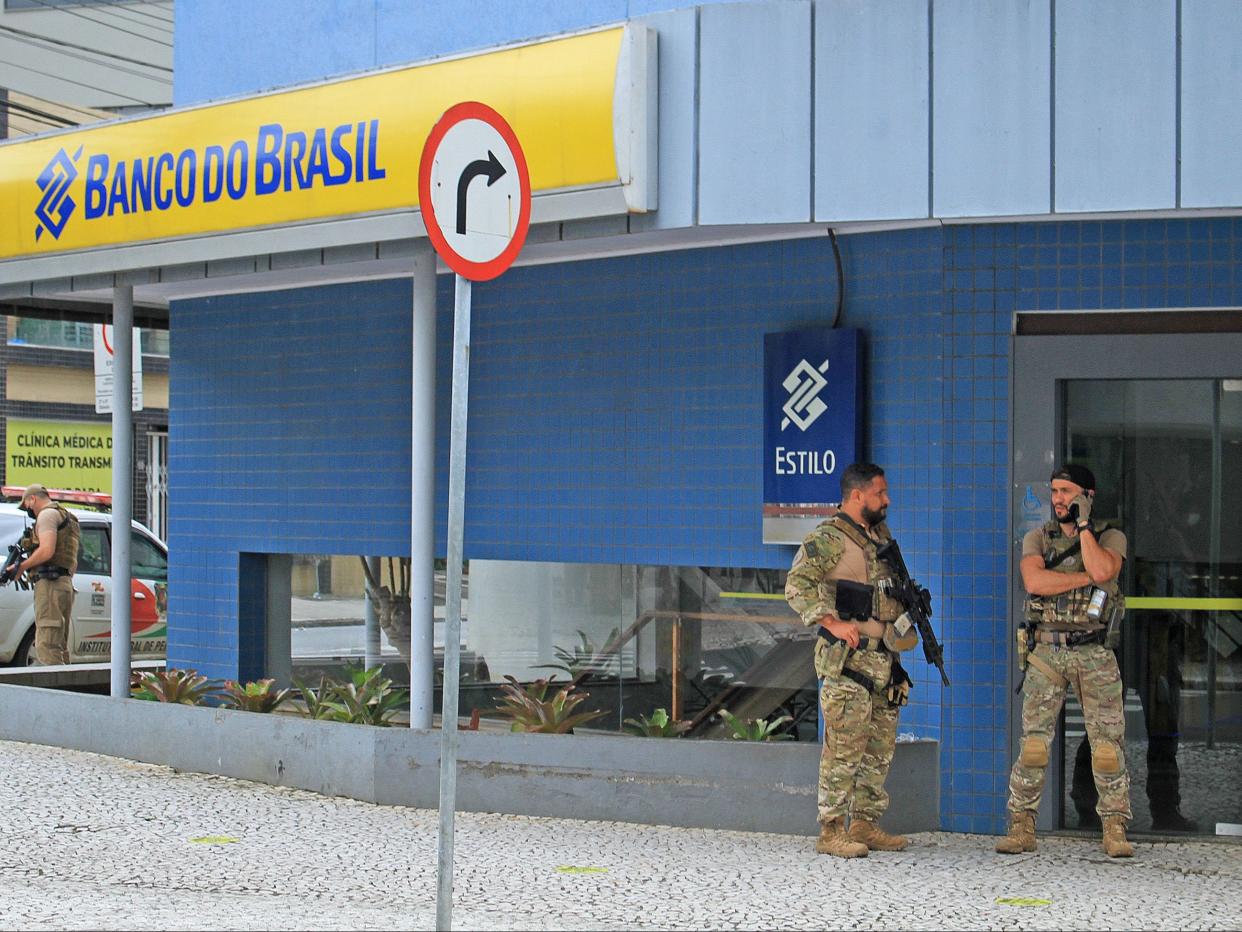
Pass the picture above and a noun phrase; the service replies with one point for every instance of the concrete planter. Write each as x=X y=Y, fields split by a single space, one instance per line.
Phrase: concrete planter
x=706 y=784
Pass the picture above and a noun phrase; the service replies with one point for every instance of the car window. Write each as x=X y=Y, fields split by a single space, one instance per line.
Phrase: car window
x=146 y=560
x=94 y=555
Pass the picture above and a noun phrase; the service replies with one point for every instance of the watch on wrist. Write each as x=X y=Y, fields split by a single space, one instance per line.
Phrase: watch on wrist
x=1084 y=526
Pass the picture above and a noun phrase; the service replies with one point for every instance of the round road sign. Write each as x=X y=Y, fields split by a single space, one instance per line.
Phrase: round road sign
x=474 y=191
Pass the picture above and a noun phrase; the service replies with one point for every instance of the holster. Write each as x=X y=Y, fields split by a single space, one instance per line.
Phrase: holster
x=1024 y=645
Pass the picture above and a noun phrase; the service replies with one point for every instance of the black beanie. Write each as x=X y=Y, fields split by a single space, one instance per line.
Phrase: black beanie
x=1079 y=475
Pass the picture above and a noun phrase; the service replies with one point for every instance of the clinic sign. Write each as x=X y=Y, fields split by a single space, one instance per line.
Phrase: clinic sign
x=58 y=454
x=336 y=149
x=812 y=424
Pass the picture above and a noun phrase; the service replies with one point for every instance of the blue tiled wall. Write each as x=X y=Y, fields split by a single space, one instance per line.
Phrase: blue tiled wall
x=990 y=272
x=615 y=417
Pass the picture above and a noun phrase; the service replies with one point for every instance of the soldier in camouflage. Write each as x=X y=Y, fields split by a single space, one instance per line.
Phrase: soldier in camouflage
x=838 y=584
x=1069 y=568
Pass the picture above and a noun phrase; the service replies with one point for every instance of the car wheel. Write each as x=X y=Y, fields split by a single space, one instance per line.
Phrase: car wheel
x=26 y=656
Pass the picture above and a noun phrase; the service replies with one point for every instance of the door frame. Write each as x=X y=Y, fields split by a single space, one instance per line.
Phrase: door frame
x=1085 y=349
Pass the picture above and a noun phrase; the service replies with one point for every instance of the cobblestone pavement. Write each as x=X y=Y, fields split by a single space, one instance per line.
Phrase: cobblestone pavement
x=93 y=842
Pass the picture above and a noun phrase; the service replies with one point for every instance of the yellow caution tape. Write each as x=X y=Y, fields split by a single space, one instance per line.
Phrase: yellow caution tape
x=570 y=869
x=1133 y=602
x=1190 y=605
x=215 y=840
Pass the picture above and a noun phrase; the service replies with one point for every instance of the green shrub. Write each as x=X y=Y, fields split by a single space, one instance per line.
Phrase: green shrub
x=755 y=729
x=658 y=726
x=367 y=699
x=257 y=696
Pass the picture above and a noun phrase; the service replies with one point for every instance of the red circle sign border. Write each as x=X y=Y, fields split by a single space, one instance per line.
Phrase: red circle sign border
x=475 y=271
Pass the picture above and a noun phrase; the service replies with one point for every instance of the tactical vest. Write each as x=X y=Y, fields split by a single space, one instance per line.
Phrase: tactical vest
x=1068 y=611
x=67 y=536
x=878 y=574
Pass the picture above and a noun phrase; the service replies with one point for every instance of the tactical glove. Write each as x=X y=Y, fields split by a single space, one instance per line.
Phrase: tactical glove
x=1080 y=509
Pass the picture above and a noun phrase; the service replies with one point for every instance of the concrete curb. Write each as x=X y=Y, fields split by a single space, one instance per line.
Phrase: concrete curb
x=741 y=786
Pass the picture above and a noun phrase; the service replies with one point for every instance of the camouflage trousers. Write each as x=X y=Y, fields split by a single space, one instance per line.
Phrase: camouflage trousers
x=1092 y=671
x=860 y=730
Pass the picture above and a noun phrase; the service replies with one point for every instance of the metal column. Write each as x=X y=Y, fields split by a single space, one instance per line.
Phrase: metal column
x=122 y=482
x=423 y=488
x=371 y=627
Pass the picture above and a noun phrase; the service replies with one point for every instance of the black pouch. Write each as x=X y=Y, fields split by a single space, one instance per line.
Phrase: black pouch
x=854 y=600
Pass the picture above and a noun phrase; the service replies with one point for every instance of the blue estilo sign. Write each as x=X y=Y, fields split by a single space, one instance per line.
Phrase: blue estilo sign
x=812 y=421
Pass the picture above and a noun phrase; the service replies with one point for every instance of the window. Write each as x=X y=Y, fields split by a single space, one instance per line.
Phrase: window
x=94 y=554
x=66 y=334
x=58 y=333
x=146 y=560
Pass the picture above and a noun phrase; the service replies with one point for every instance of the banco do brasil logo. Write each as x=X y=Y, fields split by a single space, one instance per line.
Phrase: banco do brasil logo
x=804 y=383
x=55 y=207
x=108 y=186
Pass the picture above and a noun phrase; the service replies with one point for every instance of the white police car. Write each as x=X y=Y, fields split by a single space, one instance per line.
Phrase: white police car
x=90 y=635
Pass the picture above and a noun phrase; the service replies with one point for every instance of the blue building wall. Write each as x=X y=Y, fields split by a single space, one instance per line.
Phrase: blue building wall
x=616 y=417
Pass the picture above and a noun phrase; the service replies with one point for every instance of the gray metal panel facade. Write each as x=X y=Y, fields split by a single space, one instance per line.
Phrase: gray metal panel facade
x=871 y=110
x=993 y=101
x=1115 y=125
x=754 y=158
x=1211 y=103
x=678 y=62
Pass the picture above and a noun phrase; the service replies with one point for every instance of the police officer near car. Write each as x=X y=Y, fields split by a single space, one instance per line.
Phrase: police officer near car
x=52 y=562
x=1073 y=613
x=839 y=584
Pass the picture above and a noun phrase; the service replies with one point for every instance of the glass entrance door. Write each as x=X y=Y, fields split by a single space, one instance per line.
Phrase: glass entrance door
x=1167 y=456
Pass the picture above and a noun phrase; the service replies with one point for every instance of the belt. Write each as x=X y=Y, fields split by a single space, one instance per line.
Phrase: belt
x=864 y=643
x=1069 y=638
x=50 y=572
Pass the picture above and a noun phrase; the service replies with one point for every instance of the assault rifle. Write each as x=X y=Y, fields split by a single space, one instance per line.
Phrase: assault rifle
x=917 y=603
x=9 y=572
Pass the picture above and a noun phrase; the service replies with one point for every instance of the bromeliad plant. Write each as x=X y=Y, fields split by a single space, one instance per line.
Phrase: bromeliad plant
x=529 y=709
x=367 y=699
x=584 y=657
x=658 y=726
x=258 y=696
x=316 y=700
x=182 y=687
x=755 y=729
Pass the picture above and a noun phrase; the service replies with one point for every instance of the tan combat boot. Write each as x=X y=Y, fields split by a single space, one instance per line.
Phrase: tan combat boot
x=875 y=838
x=834 y=840
x=1115 y=844
x=1021 y=835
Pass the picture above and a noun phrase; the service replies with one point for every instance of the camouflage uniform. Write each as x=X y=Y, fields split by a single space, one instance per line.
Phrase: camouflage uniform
x=860 y=727
x=1090 y=668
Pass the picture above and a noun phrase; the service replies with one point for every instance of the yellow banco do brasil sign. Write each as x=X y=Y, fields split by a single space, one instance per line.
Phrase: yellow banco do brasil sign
x=334 y=149
x=59 y=454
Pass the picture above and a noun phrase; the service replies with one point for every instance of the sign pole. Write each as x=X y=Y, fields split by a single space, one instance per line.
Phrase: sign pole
x=452 y=603
x=474 y=195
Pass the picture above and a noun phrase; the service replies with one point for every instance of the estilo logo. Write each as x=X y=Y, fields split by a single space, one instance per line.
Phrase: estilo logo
x=804 y=383
x=55 y=207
